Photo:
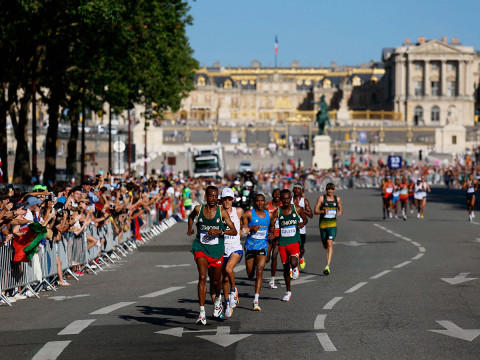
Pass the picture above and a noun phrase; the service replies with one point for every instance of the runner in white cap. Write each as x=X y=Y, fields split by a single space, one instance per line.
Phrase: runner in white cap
x=233 y=252
x=300 y=201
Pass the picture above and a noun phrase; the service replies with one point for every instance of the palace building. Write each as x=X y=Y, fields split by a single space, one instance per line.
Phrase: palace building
x=430 y=82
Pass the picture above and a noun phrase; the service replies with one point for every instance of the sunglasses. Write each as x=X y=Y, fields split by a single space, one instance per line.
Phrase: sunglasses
x=330 y=188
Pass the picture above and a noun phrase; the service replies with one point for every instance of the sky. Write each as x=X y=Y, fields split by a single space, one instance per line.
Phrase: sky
x=316 y=32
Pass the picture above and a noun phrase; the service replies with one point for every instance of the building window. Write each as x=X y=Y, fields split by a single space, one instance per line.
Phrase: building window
x=451 y=66
x=327 y=83
x=418 y=115
x=454 y=139
x=418 y=65
x=435 y=66
x=227 y=84
x=201 y=81
x=435 y=88
x=452 y=88
x=435 y=115
x=418 y=88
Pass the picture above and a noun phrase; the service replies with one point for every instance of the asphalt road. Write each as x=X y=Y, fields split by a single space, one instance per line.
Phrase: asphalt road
x=383 y=299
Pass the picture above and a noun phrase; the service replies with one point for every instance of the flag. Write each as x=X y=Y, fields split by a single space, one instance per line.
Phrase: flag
x=1 y=171
x=27 y=245
x=276 y=45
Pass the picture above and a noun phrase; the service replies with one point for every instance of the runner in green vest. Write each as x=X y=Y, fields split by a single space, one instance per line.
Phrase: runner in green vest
x=208 y=248
x=288 y=216
x=329 y=207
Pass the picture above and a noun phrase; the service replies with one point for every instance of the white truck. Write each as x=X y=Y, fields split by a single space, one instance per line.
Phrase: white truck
x=207 y=160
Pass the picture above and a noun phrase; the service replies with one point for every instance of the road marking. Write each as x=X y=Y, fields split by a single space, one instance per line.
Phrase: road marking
x=477 y=240
x=162 y=292
x=76 y=327
x=380 y=274
x=110 y=308
x=51 y=350
x=356 y=287
x=223 y=337
x=326 y=342
x=319 y=323
x=421 y=249
x=171 y=266
x=61 y=298
x=458 y=279
x=239 y=268
x=302 y=280
x=402 y=264
x=456 y=331
x=416 y=244
x=351 y=243
x=418 y=256
x=177 y=332
x=329 y=305
x=193 y=282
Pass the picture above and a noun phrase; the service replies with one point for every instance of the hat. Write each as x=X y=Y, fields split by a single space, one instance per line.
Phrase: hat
x=297 y=185
x=227 y=192
x=249 y=183
x=62 y=199
x=18 y=206
x=39 y=187
x=32 y=201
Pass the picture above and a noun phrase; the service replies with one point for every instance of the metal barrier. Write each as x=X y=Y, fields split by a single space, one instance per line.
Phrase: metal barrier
x=73 y=252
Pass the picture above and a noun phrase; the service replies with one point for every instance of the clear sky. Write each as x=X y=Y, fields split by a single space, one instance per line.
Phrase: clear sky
x=315 y=32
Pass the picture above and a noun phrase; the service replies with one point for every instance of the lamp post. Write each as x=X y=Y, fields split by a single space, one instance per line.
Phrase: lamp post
x=34 y=130
x=109 y=134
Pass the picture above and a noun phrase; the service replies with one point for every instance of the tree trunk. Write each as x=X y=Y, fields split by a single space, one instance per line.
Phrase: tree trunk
x=72 y=144
x=22 y=173
x=51 y=142
x=3 y=134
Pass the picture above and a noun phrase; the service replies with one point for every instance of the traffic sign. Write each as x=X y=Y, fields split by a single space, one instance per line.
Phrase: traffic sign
x=394 y=162
x=119 y=146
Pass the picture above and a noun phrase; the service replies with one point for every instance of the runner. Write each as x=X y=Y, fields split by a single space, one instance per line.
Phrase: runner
x=411 y=195
x=256 y=222
x=396 y=197
x=387 y=194
x=471 y=185
x=421 y=189
x=300 y=201
x=329 y=207
x=404 y=197
x=273 y=205
x=289 y=242
x=208 y=248
x=233 y=253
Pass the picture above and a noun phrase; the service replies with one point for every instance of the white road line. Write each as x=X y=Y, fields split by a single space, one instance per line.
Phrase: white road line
x=76 y=327
x=239 y=268
x=319 y=323
x=421 y=249
x=402 y=264
x=416 y=244
x=162 y=292
x=192 y=282
x=51 y=350
x=418 y=256
x=356 y=287
x=109 y=309
x=380 y=274
x=326 y=342
x=329 y=305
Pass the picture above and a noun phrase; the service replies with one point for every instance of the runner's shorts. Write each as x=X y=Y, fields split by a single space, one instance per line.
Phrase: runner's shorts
x=289 y=250
x=226 y=258
x=328 y=234
x=212 y=262
x=253 y=253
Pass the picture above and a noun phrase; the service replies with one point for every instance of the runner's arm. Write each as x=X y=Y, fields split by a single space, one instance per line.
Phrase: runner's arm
x=273 y=220
x=308 y=209
x=232 y=231
x=339 y=206
x=318 y=206
x=304 y=217
x=191 y=219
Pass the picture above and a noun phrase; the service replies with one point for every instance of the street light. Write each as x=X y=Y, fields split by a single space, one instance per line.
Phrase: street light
x=109 y=133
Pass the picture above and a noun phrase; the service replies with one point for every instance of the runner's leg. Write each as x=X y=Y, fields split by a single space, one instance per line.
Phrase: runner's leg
x=202 y=266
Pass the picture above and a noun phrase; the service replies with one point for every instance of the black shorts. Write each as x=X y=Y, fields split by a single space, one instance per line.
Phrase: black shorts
x=303 y=238
x=470 y=196
x=253 y=253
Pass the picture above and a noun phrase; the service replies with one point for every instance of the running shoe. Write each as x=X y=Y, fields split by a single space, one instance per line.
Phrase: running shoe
x=418 y=215
x=79 y=273
x=470 y=218
x=272 y=284
x=327 y=271
x=234 y=301
x=256 y=306
x=421 y=216
x=295 y=273
x=19 y=296
x=218 y=310
x=404 y=217
x=303 y=263
x=228 y=310
x=473 y=215
x=202 y=319
x=287 y=296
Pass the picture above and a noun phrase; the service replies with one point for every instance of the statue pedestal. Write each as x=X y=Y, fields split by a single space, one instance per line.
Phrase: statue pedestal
x=450 y=139
x=322 y=158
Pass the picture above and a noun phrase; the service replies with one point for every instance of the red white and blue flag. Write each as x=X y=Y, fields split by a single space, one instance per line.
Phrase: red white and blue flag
x=276 y=45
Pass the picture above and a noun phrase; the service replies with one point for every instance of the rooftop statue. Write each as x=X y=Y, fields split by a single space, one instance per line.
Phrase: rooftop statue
x=322 y=117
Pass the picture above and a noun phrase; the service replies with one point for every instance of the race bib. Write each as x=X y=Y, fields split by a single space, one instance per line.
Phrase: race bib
x=389 y=190
x=208 y=240
x=331 y=214
x=288 y=231
x=260 y=234
x=404 y=191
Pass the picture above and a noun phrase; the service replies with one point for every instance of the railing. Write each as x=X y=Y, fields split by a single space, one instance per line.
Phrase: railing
x=375 y=115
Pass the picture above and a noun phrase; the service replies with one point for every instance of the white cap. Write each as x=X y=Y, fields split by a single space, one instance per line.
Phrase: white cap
x=248 y=183
x=227 y=192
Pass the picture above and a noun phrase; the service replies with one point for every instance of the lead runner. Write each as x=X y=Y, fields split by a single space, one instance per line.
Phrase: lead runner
x=208 y=248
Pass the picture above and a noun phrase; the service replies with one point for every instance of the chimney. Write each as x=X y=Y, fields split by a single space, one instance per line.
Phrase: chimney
x=407 y=41
x=421 y=40
x=444 y=39
x=454 y=40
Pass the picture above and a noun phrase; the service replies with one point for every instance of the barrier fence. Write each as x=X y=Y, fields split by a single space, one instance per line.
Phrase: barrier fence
x=94 y=250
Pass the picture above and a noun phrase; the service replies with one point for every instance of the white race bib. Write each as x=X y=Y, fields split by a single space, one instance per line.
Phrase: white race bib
x=404 y=191
x=389 y=190
x=288 y=231
x=208 y=240
x=331 y=214
x=260 y=235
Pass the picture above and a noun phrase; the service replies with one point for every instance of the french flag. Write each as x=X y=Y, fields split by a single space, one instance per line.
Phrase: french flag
x=276 y=45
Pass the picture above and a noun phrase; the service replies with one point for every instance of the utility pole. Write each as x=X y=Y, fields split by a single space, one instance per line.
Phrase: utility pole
x=82 y=159
x=145 y=167
x=129 y=148
x=34 y=130
x=109 y=138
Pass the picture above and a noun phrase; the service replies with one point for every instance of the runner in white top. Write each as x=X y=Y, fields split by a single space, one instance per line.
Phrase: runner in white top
x=421 y=189
x=233 y=252
x=471 y=185
x=300 y=201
